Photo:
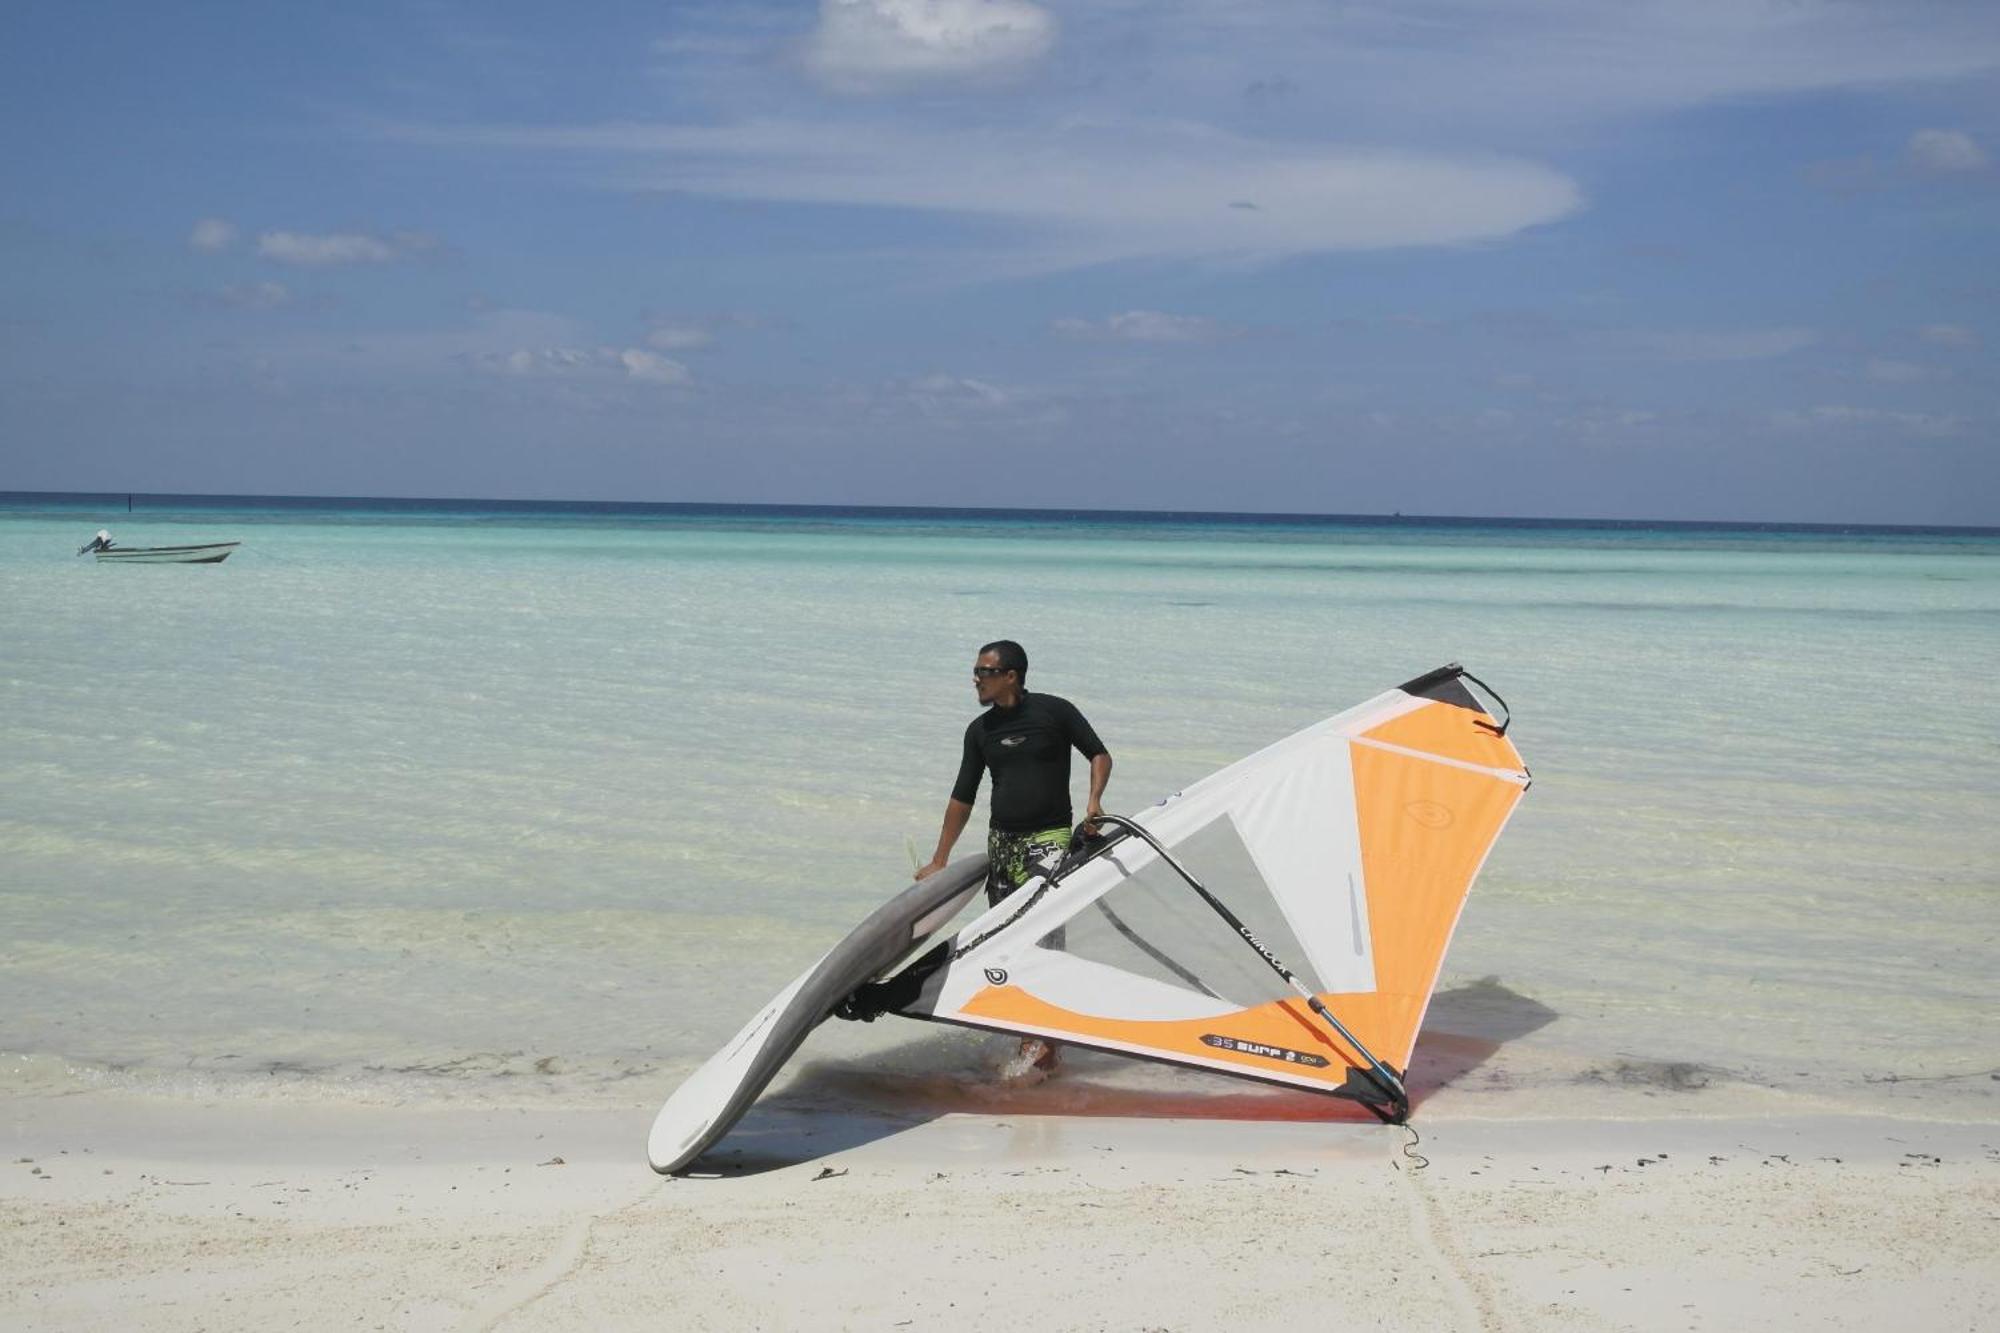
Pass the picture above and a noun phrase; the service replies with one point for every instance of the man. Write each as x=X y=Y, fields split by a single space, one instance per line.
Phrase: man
x=1024 y=740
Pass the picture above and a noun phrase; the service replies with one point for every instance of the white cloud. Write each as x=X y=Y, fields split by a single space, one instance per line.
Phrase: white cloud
x=1882 y=370
x=484 y=341
x=212 y=235
x=544 y=360
x=327 y=249
x=1946 y=152
x=1607 y=423
x=632 y=363
x=1091 y=192
x=870 y=46
x=290 y=247
x=652 y=368
x=1148 y=326
x=1948 y=335
x=1928 y=425
x=1726 y=345
x=679 y=338
x=952 y=391
x=256 y=295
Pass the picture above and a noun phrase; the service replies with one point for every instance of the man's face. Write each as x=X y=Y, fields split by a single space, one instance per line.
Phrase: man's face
x=987 y=677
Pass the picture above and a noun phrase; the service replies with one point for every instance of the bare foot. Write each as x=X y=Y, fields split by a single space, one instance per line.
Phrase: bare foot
x=1035 y=1061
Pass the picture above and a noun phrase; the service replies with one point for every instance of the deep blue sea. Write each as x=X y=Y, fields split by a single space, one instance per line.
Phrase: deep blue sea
x=429 y=800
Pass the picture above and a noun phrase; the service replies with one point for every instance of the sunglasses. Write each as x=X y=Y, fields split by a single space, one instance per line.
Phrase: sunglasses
x=987 y=673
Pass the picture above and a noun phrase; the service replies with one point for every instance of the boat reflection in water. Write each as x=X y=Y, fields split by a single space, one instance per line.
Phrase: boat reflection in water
x=209 y=553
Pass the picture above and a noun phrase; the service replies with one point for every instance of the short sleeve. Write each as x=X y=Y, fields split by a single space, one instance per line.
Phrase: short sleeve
x=970 y=768
x=1078 y=729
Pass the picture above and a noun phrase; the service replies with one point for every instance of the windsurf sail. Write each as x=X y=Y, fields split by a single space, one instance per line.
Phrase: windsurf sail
x=1284 y=919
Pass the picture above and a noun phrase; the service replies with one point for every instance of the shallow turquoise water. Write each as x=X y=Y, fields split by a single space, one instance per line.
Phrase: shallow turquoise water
x=421 y=805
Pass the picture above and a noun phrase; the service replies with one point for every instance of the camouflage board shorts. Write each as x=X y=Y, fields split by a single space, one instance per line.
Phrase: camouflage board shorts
x=1018 y=857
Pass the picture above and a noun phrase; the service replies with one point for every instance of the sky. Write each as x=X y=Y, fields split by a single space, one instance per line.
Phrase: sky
x=1676 y=259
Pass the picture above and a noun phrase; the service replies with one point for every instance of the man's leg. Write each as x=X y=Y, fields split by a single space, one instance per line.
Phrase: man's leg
x=1006 y=864
x=1015 y=859
x=1043 y=855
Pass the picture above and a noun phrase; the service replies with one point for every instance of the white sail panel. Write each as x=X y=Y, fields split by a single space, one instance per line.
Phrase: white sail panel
x=1070 y=982
x=1300 y=827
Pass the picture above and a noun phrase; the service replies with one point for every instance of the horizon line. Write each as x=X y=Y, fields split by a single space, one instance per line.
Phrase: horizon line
x=907 y=510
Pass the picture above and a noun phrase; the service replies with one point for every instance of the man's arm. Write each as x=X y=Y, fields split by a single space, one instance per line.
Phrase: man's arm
x=956 y=813
x=971 y=767
x=1100 y=773
x=1084 y=737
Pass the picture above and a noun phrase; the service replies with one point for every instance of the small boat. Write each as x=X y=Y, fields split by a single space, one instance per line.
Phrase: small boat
x=214 y=553
x=209 y=553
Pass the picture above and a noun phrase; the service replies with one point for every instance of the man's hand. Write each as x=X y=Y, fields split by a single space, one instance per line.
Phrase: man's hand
x=1091 y=815
x=926 y=871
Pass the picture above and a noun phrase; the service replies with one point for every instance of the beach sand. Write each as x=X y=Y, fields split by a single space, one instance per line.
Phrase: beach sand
x=127 y=1213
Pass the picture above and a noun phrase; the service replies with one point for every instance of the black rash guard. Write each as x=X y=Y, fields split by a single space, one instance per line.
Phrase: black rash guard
x=1027 y=747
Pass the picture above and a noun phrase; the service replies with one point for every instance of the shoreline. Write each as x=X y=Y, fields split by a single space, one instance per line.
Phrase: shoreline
x=134 y=1213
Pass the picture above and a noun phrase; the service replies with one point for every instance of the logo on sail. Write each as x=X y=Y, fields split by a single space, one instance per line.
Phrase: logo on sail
x=1431 y=814
x=1242 y=1047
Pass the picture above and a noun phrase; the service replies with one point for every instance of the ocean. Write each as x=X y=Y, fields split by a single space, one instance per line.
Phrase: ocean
x=429 y=802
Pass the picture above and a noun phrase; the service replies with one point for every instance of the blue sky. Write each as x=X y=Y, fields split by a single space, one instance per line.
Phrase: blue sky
x=1710 y=259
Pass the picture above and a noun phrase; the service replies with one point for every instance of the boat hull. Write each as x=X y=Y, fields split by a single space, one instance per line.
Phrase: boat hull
x=213 y=553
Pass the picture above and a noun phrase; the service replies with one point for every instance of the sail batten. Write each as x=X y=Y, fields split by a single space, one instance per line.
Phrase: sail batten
x=1504 y=774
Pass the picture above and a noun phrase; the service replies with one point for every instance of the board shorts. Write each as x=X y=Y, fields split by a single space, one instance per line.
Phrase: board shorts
x=1018 y=857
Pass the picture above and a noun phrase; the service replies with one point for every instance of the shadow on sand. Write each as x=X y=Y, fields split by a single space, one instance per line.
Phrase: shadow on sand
x=831 y=1106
